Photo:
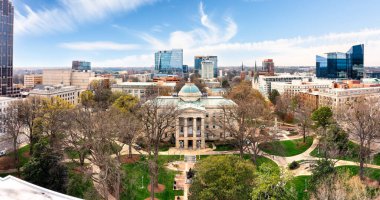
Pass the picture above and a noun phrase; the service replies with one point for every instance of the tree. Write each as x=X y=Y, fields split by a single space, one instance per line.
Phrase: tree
x=303 y=115
x=223 y=178
x=342 y=186
x=87 y=99
x=12 y=126
x=322 y=118
x=79 y=132
x=125 y=103
x=274 y=94
x=321 y=170
x=104 y=134
x=45 y=168
x=157 y=120
x=128 y=128
x=30 y=109
x=270 y=183
x=361 y=120
x=243 y=120
x=54 y=121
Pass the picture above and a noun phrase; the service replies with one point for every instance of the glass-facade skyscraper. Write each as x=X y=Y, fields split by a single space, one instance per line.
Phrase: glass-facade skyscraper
x=6 y=47
x=169 y=61
x=198 y=63
x=338 y=65
x=81 y=65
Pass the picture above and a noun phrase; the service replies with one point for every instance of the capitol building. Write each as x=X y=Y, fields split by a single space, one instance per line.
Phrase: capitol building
x=198 y=115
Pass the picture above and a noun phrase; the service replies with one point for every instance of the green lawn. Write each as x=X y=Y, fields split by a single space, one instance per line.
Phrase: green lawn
x=286 y=147
x=299 y=184
x=137 y=179
x=354 y=170
x=351 y=155
x=376 y=159
x=21 y=152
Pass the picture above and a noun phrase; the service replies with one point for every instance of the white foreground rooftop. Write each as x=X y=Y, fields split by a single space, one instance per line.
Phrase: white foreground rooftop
x=12 y=188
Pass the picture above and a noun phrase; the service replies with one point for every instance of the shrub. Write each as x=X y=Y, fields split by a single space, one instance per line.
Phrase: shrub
x=294 y=165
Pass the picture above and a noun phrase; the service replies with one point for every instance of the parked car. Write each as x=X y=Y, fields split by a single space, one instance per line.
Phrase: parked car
x=137 y=147
x=3 y=152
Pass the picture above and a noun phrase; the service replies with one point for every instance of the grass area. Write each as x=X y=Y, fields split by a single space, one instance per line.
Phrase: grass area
x=351 y=155
x=354 y=170
x=23 y=154
x=287 y=147
x=225 y=147
x=299 y=184
x=137 y=179
x=165 y=146
x=376 y=159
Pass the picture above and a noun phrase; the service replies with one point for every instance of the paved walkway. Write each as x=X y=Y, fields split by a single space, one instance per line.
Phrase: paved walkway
x=304 y=169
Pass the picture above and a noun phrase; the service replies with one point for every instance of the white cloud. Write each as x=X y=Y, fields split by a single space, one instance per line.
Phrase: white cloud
x=144 y=60
x=69 y=13
x=209 y=33
x=99 y=45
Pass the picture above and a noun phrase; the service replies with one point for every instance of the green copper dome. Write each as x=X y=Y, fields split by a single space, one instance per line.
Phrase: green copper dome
x=190 y=90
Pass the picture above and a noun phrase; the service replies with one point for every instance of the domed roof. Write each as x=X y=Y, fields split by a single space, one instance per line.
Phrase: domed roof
x=190 y=90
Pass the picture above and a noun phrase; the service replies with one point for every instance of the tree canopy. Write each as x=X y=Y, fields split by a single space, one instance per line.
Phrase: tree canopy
x=223 y=178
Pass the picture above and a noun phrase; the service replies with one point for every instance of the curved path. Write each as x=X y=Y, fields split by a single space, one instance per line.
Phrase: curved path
x=304 y=169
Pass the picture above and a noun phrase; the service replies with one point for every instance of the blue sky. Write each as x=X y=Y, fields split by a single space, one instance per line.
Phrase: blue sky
x=124 y=33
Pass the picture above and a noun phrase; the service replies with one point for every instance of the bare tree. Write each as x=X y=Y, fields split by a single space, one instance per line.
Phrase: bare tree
x=101 y=150
x=303 y=115
x=80 y=131
x=128 y=128
x=158 y=119
x=12 y=126
x=243 y=120
x=29 y=111
x=361 y=120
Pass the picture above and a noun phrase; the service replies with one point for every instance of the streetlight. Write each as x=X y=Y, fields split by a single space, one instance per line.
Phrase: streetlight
x=142 y=182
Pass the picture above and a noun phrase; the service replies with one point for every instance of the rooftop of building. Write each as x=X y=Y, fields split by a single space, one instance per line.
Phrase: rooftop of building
x=169 y=84
x=191 y=97
x=7 y=99
x=17 y=189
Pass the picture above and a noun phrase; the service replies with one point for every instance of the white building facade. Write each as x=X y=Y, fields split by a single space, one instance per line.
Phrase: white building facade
x=296 y=86
x=140 y=89
x=338 y=97
x=197 y=117
x=207 y=71
x=67 y=93
x=264 y=83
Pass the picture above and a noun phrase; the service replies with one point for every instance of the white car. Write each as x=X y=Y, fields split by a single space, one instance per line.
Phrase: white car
x=3 y=152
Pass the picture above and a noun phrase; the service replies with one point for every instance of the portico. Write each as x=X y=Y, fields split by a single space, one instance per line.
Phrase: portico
x=190 y=131
x=197 y=117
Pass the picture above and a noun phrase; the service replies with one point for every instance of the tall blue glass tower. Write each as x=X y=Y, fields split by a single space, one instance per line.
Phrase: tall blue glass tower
x=338 y=65
x=169 y=61
x=6 y=47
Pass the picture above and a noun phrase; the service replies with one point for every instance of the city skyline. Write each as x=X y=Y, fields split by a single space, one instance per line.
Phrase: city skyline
x=117 y=33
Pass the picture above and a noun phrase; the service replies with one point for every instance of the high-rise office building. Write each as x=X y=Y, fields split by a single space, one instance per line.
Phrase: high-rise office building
x=81 y=65
x=198 y=64
x=6 y=47
x=338 y=65
x=169 y=61
x=268 y=66
x=207 y=71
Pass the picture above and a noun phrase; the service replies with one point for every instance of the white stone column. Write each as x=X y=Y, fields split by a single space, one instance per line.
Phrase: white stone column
x=177 y=129
x=185 y=134
x=194 y=133
x=203 y=140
